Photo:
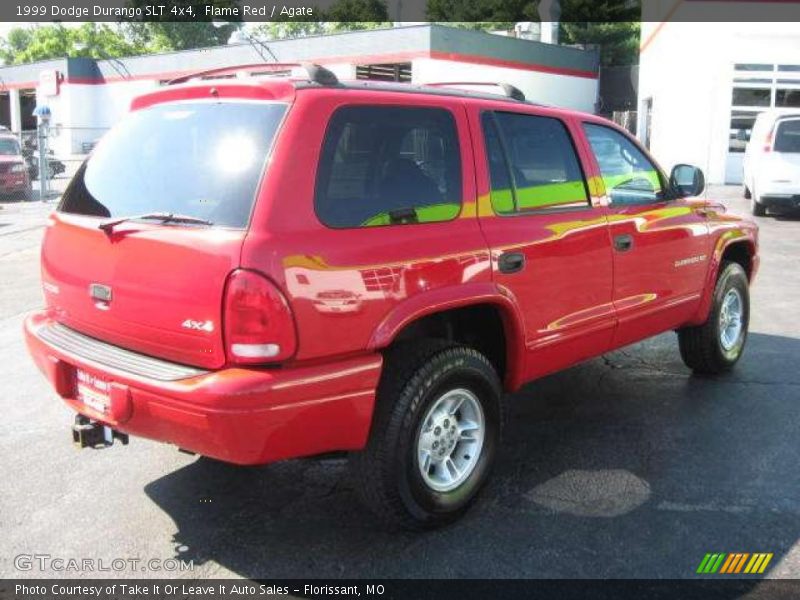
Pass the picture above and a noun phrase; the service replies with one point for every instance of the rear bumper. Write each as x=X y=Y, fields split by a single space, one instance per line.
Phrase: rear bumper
x=13 y=183
x=778 y=202
x=244 y=416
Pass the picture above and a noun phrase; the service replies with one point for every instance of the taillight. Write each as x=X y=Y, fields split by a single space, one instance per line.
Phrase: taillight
x=258 y=322
x=768 y=141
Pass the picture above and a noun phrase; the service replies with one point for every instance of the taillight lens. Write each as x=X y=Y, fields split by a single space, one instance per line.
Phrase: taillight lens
x=768 y=141
x=259 y=326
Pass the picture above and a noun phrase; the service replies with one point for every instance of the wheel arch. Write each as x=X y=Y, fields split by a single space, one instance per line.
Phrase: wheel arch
x=735 y=245
x=477 y=315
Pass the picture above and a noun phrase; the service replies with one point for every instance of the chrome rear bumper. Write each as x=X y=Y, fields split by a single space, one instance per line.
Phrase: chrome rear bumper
x=108 y=356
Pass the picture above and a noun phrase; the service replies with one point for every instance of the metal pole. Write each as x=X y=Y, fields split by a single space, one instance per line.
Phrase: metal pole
x=40 y=141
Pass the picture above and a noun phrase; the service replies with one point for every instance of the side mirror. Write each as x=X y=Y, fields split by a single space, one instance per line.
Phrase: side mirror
x=687 y=180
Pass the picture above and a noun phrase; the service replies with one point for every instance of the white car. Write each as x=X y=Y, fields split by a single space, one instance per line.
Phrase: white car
x=772 y=162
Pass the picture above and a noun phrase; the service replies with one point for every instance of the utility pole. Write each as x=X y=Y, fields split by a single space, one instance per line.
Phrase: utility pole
x=42 y=114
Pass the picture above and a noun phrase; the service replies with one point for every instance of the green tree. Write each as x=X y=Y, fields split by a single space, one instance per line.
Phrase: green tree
x=180 y=30
x=280 y=30
x=618 y=42
x=349 y=15
x=485 y=14
x=42 y=42
x=610 y=24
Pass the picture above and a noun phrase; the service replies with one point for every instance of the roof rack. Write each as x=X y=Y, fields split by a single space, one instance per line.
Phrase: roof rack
x=508 y=89
x=316 y=73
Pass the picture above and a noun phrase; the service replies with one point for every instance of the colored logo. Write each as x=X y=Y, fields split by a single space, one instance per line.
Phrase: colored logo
x=728 y=564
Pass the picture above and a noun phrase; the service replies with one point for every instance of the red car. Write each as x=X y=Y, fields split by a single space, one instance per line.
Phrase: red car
x=14 y=180
x=471 y=242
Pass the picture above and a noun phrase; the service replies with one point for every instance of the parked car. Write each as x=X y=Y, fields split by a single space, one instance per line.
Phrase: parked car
x=772 y=162
x=471 y=242
x=14 y=182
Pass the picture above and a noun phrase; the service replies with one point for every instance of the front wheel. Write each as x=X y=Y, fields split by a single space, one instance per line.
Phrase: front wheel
x=716 y=345
x=435 y=433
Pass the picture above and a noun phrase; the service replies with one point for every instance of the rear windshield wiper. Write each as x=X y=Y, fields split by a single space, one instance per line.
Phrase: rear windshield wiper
x=164 y=217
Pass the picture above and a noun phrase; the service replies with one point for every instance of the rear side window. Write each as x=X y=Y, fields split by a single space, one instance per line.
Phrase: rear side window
x=532 y=163
x=787 y=137
x=198 y=159
x=387 y=165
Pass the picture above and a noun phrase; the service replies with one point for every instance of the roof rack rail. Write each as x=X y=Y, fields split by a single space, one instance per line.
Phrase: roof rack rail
x=508 y=89
x=316 y=73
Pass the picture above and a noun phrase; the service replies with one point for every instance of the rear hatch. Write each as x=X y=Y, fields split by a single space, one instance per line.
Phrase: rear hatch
x=783 y=167
x=152 y=224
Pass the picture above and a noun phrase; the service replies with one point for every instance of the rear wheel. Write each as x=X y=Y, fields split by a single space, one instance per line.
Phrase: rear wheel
x=716 y=345
x=435 y=433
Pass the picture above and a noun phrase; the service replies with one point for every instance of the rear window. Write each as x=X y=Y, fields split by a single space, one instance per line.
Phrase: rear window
x=9 y=146
x=787 y=138
x=198 y=159
x=387 y=165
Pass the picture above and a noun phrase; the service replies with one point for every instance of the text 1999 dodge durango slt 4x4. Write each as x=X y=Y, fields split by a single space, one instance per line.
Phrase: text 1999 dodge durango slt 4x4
x=255 y=269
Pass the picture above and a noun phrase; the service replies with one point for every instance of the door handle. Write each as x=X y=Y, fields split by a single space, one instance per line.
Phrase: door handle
x=511 y=262
x=623 y=243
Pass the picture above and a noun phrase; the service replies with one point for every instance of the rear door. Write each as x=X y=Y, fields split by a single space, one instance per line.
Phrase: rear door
x=782 y=170
x=661 y=245
x=550 y=247
x=145 y=284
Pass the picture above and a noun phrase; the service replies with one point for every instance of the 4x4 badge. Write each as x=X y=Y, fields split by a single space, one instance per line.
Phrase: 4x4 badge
x=198 y=325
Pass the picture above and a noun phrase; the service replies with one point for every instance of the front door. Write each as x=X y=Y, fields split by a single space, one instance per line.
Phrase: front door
x=660 y=245
x=550 y=247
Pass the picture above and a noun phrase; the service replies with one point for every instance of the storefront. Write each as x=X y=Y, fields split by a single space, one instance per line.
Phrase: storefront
x=701 y=86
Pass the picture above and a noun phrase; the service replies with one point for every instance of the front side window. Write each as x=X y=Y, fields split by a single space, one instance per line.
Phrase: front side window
x=198 y=159
x=389 y=165
x=628 y=175
x=532 y=163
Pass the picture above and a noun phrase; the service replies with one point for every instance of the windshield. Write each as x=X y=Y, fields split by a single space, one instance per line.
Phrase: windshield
x=8 y=147
x=198 y=159
x=788 y=136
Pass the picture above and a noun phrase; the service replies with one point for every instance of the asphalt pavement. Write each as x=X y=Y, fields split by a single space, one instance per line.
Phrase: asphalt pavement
x=625 y=466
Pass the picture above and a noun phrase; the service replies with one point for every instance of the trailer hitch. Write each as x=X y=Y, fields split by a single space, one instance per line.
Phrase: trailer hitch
x=93 y=434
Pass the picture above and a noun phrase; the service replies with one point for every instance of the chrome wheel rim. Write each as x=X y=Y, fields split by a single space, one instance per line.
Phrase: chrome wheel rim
x=730 y=319
x=450 y=440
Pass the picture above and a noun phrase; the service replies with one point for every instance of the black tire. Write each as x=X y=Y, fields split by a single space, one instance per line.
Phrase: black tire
x=388 y=477
x=758 y=209
x=701 y=347
x=747 y=194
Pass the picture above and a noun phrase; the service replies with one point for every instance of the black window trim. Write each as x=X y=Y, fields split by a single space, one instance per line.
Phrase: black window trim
x=544 y=210
x=668 y=194
x=461 y=199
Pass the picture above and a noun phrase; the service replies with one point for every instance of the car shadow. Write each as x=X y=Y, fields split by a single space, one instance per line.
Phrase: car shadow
x=624 y=466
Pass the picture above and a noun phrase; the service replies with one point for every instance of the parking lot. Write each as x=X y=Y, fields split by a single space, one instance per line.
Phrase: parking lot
x=625 y=466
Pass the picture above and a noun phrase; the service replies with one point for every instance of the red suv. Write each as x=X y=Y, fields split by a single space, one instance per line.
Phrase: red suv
x=261 y=269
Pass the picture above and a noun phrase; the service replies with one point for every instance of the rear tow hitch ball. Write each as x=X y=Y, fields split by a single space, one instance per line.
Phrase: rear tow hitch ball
x=93 y=434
